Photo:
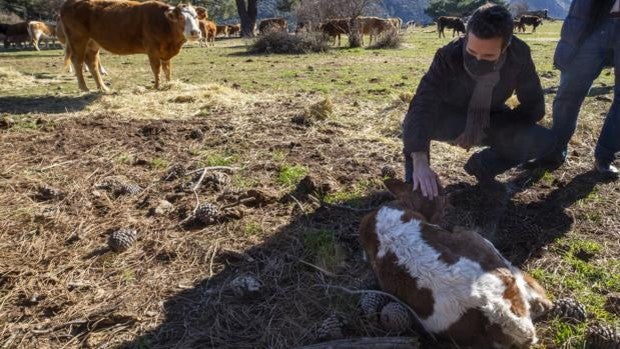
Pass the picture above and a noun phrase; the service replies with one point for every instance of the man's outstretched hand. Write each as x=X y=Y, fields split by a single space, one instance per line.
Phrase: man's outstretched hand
x=424 y=177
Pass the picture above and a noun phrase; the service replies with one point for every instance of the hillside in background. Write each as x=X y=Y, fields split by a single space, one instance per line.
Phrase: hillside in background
x=414 y=9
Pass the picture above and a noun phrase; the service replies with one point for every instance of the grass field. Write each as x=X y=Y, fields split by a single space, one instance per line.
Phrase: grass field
x=270 y=120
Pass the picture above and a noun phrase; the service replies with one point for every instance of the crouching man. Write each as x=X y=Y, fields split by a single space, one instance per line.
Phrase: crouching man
x=461 y=100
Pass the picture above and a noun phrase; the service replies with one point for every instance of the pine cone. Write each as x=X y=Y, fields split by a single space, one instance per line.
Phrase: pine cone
x=207 y=213
x=122 y=239
x=127 y=189
x=395 y=318
x=246 y=286
x=175 y=171
x=388 y=171
x=109 y=183
x=601 y=336
x=331 y=328
x=46 y=193
x=371 y=304
x=569 y=310
x=217 y=180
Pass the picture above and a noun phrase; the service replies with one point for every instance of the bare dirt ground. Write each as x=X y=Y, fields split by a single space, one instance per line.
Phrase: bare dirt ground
x=61 y=286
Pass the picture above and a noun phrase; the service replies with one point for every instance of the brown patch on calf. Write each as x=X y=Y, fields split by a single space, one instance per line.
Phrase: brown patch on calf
x=368 y=235
x=395 y=280
x=473 y=329
x=410 y=215
x=539 y=303
x=512 y=293
x=468 y=244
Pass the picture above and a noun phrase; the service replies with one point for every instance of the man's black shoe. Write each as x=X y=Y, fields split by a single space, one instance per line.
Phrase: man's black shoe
x=606 y=169
x=550 y=162
x=473 y=167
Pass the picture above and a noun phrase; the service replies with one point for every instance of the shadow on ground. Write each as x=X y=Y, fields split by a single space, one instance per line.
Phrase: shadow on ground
x=529 y=224
x=45 y=104
x=292 y=302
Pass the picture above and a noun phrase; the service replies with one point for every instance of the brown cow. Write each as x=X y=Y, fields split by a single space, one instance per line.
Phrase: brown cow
x=234 y=30
x=373 y=26
x=530 y=20
x=40 y=30
x=454 y=23
x=273 y=24
x=126 y=27
x=221 y=30
x=334 y=28
x=208 y=31
x=15 y=33
x=62 y=38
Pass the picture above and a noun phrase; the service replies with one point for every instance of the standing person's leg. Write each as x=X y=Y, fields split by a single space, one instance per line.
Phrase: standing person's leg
x=609 y=140
x=575 y=82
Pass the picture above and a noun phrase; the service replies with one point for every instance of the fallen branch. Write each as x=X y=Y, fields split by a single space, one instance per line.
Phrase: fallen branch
x=298 y=203
x=368 y=343
x=328 y=273
x=238 y=202
x=202 y=177
x=212 y=168
x=56 y=165
x=57 y=327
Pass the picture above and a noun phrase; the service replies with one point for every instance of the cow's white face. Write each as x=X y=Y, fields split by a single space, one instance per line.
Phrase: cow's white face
x=186 y=14
x=192 y=30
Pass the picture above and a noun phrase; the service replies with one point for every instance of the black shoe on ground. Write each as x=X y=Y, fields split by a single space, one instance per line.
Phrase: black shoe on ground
x=606 y=170
x=473 y=167
x=550 y=162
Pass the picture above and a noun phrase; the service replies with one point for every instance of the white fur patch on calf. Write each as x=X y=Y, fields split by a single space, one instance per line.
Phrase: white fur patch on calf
x=456 y=287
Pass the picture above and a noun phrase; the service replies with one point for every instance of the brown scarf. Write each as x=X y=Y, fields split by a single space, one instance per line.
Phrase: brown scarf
x=479 y=110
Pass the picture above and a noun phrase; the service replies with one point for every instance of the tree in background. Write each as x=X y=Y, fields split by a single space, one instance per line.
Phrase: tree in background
x=517 y=8
x=33 y=9
x=457 y=8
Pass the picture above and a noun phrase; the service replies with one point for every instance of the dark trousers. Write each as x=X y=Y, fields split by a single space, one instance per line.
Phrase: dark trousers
x=575 y=82
x=507 y=143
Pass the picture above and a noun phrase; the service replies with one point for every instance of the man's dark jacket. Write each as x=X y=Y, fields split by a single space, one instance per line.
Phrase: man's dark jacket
x=583 y=18
x=447 y=88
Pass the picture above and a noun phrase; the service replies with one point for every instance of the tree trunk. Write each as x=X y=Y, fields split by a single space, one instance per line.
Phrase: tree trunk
x=247 y=15
x=354 y=35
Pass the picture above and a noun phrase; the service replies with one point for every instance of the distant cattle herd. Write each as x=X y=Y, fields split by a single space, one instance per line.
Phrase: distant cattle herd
x=159 y=30
x=32 y=33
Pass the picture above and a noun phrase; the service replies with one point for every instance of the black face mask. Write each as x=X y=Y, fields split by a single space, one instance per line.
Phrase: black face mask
x=482 y=67
x=478 y=67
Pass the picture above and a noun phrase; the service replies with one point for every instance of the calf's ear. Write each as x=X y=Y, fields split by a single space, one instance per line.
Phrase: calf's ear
x=397 y=187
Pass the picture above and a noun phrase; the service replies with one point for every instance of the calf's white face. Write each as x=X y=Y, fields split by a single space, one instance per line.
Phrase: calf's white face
x=458 y=283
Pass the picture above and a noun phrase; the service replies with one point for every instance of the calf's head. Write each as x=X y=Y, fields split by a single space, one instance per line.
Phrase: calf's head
x=407 y=199
x=185 y=16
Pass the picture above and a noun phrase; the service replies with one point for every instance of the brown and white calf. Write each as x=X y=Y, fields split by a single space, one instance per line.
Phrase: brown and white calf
x=459 y=285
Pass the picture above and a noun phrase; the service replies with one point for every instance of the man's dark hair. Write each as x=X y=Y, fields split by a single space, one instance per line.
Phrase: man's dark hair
x=491 y=21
